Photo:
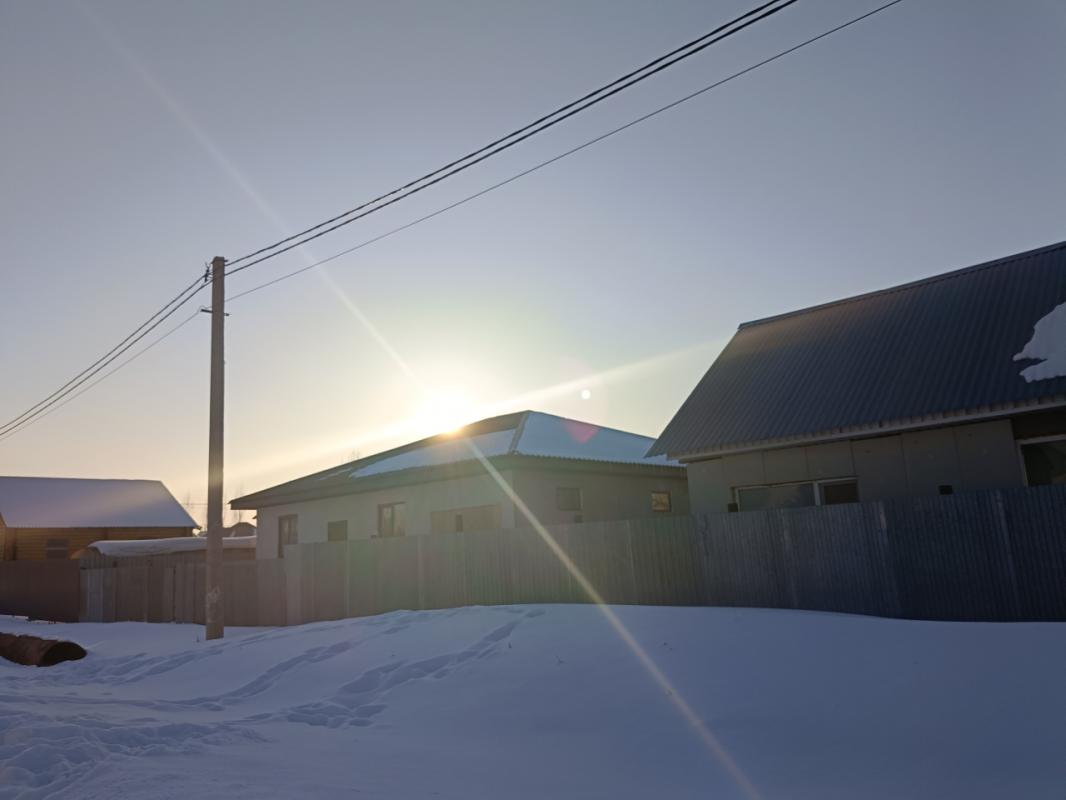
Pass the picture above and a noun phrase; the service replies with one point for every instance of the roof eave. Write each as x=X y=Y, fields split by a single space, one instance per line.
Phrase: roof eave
x=869 y=431
x=438 y=472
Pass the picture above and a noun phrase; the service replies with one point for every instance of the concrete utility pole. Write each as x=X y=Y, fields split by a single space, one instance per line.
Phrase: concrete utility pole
x=213 y=601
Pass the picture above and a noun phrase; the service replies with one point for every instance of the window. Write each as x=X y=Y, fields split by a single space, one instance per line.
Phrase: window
x=797 y=495
x=836 y=492
x=787 y=495
x=660 y=501
x=458 y=520
x=287 y=533
x=392 y=519
x=56 y=548
x=1045 y=462
x=337 y=531
x=568 y=499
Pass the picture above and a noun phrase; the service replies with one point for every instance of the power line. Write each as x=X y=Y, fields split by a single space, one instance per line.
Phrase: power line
x=565 y=154
x=108 y=358
x=4 y=434
x=510 y=140
x=71 y=397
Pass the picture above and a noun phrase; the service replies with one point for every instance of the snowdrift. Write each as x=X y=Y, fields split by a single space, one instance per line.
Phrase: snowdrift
x=542 y=701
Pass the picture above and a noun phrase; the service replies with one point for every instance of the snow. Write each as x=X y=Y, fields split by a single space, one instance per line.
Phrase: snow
x=448 y=451
x=559 y=437
x=152 y=547
x=89 y=503
x=1048 y=345
x=540 y=435
x=541 y=701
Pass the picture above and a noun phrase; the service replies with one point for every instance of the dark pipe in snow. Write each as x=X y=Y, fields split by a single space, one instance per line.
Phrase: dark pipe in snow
x=36 y=652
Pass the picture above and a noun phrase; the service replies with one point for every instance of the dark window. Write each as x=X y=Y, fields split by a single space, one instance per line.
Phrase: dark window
x=56 y=548
x=458 y=520
x=287 y=533
x=392 y=519
x=337 y=531
x=788 y=495
x=836 y=492
x=660 y=501
x=1045 y=462
x=568 y=499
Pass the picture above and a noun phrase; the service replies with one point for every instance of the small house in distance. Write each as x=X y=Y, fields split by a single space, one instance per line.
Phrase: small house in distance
x=55 y=517
x=954 y=382
x=562 y=469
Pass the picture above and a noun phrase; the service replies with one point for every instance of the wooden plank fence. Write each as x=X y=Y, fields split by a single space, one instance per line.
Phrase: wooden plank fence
x=994 y=555
x=160 y=589
x=40 y=589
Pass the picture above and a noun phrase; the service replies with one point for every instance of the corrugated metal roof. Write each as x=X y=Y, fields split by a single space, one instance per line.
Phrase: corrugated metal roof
x=526 y=433
x=89 y=503
x=991 y=336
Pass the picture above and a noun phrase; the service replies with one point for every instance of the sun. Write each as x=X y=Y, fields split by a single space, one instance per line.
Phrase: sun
x=445 y=411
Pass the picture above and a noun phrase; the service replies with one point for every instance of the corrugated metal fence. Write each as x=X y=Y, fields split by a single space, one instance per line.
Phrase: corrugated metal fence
x=647 y=562
x=997 y=555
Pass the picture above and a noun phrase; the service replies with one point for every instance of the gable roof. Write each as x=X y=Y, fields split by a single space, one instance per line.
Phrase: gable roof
x=89 y=503
x=526 y=434
x=976 y=341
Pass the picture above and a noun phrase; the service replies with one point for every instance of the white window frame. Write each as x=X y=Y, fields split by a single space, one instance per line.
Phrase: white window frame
x=818 y=483
x=1059 y=437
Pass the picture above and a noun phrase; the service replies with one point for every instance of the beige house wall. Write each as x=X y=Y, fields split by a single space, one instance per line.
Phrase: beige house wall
x=983 y=455
x=361 y=510
x=604 y=496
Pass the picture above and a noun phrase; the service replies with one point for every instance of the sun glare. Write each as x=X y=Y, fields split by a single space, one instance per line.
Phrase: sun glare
x=445 y=411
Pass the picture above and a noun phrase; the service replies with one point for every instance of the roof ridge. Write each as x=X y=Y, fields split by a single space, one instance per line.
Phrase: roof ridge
x=519 y=429
x=586 y=422
x=931 y=279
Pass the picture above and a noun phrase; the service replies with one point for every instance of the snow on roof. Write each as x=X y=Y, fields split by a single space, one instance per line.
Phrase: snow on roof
x=559 y=437
x=530 y=433
x=448 y=451
x=526 y=433
x=89 y=503
x=155 y=547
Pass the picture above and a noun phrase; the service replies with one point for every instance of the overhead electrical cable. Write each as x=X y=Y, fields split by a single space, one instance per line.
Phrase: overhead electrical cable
x=71 y=397
x=565 y=154
x=53 y=401
x=510 y=140
x=101 y=363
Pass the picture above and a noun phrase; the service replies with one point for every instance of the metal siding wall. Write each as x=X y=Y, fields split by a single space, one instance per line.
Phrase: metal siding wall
x=996 y=555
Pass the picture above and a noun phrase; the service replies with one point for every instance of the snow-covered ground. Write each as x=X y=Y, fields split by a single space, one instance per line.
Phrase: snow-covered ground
x=542 y=702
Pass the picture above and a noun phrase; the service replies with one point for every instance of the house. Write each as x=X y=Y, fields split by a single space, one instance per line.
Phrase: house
x=951 y=383
x=562 y=469
x=55 y=517
x=239 y=529
x=184 y=549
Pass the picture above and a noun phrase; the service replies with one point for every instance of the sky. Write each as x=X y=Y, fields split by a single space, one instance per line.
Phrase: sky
x=140 y=139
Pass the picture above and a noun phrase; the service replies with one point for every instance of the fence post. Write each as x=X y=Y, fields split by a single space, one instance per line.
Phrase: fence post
x=788 y=557
x=895 y=601
x=1004 y=535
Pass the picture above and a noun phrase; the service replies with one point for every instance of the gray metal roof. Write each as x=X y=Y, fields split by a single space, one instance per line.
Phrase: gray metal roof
x=976 y=340
x=522 y=435
x=89 y=503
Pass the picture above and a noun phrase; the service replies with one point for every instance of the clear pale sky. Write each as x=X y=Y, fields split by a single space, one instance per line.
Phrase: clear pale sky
x=139 y=139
